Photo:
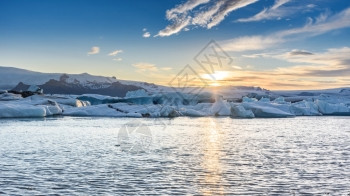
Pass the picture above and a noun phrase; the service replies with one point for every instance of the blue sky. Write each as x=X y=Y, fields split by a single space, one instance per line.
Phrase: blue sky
x=281 y=44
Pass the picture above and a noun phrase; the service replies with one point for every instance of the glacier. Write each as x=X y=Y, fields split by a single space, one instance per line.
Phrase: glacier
x=141 y=104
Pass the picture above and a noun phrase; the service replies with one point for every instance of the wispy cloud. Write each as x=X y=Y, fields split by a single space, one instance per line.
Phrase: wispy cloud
x=319 y=70
x=117 y=59
x=142 y=66
x=115 y=52
x=203 y=13
x=184 y=8
x=251 y=43
x=150 y=67
x=225 y=9
x=94 y=50
x=166 y=68
x=334 y=62
x=177 y=26
x=276 y=11
x=146 y=35
x=315 y=27
x=299 y=52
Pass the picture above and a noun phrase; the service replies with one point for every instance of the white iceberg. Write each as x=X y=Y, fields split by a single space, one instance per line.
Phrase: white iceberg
x=220 y=107
x=137 y=93
x=139 y=104
x=268 y=110
x=29 y=109
x=305 y=108
x=238 y=111
x=332 y=108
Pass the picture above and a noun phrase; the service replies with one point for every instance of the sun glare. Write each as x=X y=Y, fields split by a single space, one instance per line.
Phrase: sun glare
x=215 y=84
x=217 y=75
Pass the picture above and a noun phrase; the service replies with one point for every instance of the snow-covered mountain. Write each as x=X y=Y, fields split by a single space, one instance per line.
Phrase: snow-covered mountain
x=61 y=83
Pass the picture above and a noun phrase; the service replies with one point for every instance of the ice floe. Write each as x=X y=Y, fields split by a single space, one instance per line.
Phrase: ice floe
x=172 y=104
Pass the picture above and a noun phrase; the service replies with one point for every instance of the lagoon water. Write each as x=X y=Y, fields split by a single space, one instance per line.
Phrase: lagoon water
x=195 y=156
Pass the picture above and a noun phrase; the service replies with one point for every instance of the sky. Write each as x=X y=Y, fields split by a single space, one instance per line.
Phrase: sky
x=274 y=44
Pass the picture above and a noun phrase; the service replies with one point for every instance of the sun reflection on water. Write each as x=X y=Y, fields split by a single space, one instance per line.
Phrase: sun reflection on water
x=211 y=161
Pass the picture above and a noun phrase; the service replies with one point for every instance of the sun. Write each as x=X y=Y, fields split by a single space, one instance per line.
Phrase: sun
x=217 y=75
x=215 y=84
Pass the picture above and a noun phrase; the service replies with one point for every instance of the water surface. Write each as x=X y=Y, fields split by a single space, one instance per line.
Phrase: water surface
x=205 y=156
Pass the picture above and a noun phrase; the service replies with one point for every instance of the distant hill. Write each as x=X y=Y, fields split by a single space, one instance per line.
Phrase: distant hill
x=61 y=83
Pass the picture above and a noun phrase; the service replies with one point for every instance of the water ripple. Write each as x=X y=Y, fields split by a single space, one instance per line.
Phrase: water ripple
x=192 y=156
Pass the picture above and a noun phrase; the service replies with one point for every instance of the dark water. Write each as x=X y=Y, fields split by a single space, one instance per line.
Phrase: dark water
x=193 y=156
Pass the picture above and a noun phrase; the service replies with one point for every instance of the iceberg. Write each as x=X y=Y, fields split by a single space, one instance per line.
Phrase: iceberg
x=29 y=108
x=305 y=108
x=332 y=109
x=137 y=93
x=192 y=113
x=220 y=107
x=247 y=99
x=268 y=110
x=140 y=104
x=16 y=110
x=238 y=111
x=168 y=111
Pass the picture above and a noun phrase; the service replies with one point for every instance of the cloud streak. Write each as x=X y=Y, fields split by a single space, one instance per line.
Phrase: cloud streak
x=117 y=59
x=334 y=62
x=311 y=29
x=299 y=52
x=202 y=13
x=329 y=69
x=115 y=52
x=142 y=66
x=276 y=11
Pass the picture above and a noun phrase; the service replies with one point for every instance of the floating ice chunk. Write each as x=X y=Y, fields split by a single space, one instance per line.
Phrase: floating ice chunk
x=139 y=100
x=16 y=110
x=247 y=100
x=35 y=89
x=280 y=100
x=52 y=110
x=137 y=93
x=240 y=112
x=201 y=109
x=116 y=110
x=265 y=99
x=192 y=112
x=268 y=110
x=62 y=100
x=96 y=99
x=9 y=96
x=95 y=110
x=332 y=108
x=79 y=103
x=168 y=111
x=34 y=106
x=305 y=108
x=220 y=107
